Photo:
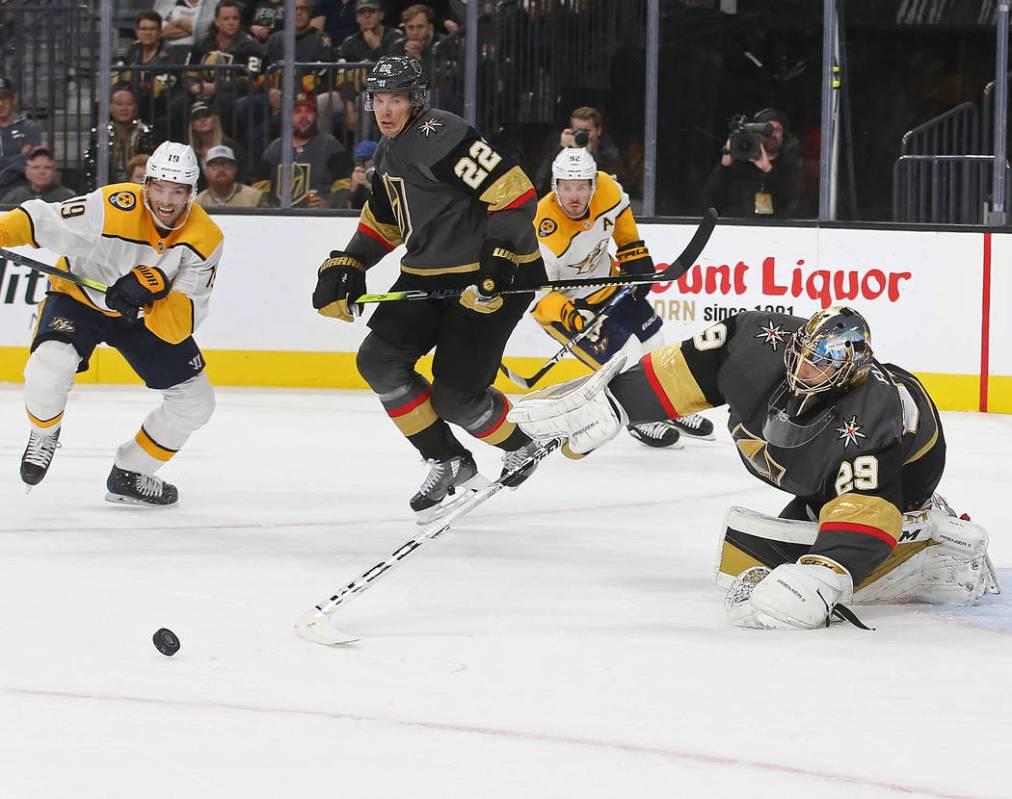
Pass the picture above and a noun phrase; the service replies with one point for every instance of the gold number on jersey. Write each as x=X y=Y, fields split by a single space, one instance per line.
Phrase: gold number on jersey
x=712 y=338
x=863 y=475
x=75 y=206
x=398 y=195
x=483 y=159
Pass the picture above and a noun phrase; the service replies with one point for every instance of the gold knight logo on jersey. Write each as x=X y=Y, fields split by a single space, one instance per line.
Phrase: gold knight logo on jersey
x=124 y=200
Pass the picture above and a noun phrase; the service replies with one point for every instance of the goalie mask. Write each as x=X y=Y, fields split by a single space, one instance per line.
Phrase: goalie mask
x=574 y=163
x=397 y=73
x=174 y=162
x=828 y=355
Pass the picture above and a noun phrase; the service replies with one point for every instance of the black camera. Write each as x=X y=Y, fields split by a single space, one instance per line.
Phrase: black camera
x=581 y=137
x=745 y=138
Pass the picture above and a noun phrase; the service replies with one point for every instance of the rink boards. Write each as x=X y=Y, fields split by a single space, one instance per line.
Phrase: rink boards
x=934 y=301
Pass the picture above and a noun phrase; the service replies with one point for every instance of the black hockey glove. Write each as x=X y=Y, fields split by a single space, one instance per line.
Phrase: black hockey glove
x=634 y=259
x=497 y=267
x=141 y=286
x=340 y=281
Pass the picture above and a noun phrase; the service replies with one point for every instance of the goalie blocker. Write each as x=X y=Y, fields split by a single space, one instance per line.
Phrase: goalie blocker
x=772 y=583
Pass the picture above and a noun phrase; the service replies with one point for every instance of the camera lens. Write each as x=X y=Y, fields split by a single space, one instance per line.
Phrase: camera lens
x=581 y=137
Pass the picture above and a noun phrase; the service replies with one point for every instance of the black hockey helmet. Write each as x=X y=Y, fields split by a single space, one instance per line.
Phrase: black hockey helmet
x=397 y=73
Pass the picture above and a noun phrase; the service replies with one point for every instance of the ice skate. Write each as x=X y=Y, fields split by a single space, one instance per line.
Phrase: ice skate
x=655 y=434
x=38 y=455
x=511 y=460
x=134 y=488
x=448 y=482
x=694 y=426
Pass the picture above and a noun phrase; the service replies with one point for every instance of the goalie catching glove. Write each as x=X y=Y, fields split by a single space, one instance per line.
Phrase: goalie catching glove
x=340 y=281
x=582 y=411
x=141 y=286
x=497 y=267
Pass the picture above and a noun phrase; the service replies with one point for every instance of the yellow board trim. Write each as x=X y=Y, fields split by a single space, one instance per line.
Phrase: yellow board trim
x=337 y=370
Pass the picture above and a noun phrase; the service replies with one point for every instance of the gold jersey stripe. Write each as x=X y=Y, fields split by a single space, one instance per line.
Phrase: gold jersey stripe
x=390 y=233
x=508 y=188
x=862 y=510
x=676 y=380
x=152 y=447
x=35 y=420
x=448 y=270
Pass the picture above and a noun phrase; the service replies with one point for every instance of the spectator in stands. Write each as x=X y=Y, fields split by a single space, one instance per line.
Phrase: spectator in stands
x=318 y=159
x=220 y=169
x=225 y=44
x=184 y=22
x=127 y=134
x=137 y=167
x=151 y=86
x=587 y=125
x=43 y=181
x=311 y=45
x=766 y=186
x=353 y=191
x=418 y=23
x=206 y=133
x=372 y=42
x=18 y=137
x=263 y=17
x=335 y=17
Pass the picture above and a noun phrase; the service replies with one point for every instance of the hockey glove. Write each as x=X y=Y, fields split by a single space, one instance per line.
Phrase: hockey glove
x=141 y=286
x=497 y=267
x=634 y=259
x=340 y=281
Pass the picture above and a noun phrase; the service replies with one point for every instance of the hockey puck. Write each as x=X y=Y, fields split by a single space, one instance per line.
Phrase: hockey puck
x=166 y=642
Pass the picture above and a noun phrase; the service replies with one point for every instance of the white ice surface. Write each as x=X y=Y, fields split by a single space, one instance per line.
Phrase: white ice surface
x=565 y=641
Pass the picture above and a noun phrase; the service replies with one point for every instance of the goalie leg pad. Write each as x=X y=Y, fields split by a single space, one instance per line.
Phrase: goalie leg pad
x=793 y=596
x=581 y=411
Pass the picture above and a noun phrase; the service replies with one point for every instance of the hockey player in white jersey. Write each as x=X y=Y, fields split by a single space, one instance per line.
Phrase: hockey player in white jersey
x=576 y=222
x=158 y=254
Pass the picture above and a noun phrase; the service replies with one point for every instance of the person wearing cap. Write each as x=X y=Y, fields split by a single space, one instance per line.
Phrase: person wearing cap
x=206 y=132
x=318 y=159
x=18 y=137
x=354 y=191
x=128 y=136
x=372 y=41
x=222 y=190
x=43 y=183
x=766 y=186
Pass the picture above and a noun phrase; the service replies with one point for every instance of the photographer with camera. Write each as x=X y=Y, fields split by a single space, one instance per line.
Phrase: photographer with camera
x=759 y=173
x=586 y=129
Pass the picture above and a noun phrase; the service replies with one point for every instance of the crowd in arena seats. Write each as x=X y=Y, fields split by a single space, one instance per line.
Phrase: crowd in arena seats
x=210 y=73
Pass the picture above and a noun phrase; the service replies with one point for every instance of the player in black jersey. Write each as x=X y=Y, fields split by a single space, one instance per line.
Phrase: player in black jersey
x=464 y=213
x=857 y=442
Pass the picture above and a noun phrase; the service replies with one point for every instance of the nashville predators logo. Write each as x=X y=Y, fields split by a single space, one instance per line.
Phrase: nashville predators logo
x=547 y=227
x=587 y=264
x=124 y=200
x=60 y=325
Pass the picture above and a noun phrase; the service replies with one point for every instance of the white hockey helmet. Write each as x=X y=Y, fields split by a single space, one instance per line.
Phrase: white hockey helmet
x=175 y=162
x=574 y=163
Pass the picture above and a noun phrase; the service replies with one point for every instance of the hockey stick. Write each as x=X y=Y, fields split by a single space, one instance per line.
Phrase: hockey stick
x=595 y=324
x=315 y=625
x=38 y=266
x=677 y=268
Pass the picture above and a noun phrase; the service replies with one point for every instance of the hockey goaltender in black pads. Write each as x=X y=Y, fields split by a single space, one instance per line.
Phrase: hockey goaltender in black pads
x=464 y=213
x=857 y=443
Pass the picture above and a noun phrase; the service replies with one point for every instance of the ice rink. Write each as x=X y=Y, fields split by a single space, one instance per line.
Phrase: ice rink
x=564 y=641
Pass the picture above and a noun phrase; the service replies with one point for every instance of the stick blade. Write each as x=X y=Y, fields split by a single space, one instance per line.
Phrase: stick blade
x=316 y=627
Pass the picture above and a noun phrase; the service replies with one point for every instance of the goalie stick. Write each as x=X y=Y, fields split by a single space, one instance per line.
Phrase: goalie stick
x=595 y=324
x=315 y=625
x=38 y=266
x=677 y=268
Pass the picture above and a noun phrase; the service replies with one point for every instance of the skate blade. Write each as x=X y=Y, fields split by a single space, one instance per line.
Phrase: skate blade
x=316 y=627
x=119 y=499
x=461 y=494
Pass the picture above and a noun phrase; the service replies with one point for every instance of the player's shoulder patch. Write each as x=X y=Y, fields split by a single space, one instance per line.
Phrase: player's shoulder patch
x=123 y=200
x=547 y=226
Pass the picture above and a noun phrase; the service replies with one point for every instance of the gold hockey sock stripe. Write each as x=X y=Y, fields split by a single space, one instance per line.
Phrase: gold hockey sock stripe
x=416 y=414
x=152 y=447
x=500 y=429
x=44 y=423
